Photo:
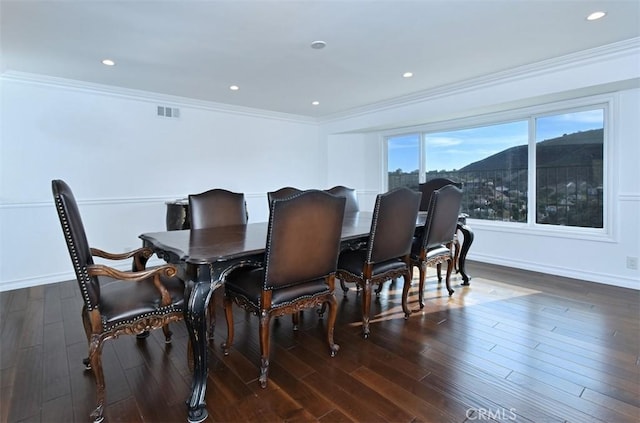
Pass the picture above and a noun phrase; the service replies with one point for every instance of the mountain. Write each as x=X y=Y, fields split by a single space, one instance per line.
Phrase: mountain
x=577 y=149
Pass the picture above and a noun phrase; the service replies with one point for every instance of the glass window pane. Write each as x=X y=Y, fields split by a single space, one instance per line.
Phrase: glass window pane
x=491 y=162
x=403 y=161
x=569 y=169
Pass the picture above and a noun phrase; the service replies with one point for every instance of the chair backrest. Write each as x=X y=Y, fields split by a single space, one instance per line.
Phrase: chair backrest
x=393 y=225
x=281 y=193
x=217 y=207
x=442 y=216
x=350 y=194
x=77 y=244
x=430 y=186
x=303 y=240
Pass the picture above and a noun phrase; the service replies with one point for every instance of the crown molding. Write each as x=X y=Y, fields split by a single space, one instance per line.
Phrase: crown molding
x=604 y=53
x=141 y=95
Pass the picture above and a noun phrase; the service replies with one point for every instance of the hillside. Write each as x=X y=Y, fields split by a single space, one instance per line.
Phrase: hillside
x=577 y=149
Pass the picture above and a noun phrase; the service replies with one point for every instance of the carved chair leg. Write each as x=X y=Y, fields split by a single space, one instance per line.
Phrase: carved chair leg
x=295 y=319
x=95 y=357
x=379 y=290
x=87 y=331
x=422 y=275
x=405 y=293
x=228 y=312
x=265 y=320
x=333 y=312
x=143 y=335
x=456 y=254
x=344 y=287
x=321 y=310
x=366 y=308
x=439 y=270
x=449 y=269
x=167 y=334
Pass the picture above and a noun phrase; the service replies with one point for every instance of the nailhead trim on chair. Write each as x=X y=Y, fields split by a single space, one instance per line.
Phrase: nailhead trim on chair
x=374 y=227
x=81 y=272
x=159 y=312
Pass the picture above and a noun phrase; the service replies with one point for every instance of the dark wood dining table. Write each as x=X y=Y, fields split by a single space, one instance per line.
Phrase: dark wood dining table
x=203 y=256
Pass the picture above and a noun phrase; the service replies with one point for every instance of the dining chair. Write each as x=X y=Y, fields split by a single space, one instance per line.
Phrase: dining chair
x=350 y=194
x=298 y=272
x=281 y=193
x=115 y=302
x=217 y=207
x=386 y=255
x=214 y=208
x=432 y=244
x=427 y=188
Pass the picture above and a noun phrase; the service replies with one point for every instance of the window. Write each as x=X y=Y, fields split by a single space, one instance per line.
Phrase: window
x=403 y=161
x=569 y=169
x=554 y=161
x=491 y=162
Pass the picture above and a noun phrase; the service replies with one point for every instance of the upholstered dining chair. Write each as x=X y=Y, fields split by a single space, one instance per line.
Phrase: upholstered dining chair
x=386 y=255
x=432 y=244
x=214 y=208
x=298 y=272
x=431 y=185
x=115 y=302
x=281 y=193
x=427 y=189
x=217 y=207
x=350 y=194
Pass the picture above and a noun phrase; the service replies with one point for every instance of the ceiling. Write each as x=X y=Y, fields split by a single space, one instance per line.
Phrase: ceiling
x=198 y=49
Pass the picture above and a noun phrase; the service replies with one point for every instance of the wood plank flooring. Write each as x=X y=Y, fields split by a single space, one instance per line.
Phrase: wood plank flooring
x=514 y=346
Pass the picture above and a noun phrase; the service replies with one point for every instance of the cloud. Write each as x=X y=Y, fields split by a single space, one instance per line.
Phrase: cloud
x=443 y=141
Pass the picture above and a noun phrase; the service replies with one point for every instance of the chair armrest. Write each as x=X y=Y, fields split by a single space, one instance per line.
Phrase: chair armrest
x=244 y=263
x=168 y=270
x=140 y=256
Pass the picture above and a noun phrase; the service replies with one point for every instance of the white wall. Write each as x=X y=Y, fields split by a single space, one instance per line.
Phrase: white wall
x=615 y=71
x=123 y=162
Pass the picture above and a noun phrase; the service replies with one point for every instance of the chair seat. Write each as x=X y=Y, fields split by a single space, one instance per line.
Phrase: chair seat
x=247 y=282
x=433 y=252
x=122 y=302
x=352 y=261
x=438 y=251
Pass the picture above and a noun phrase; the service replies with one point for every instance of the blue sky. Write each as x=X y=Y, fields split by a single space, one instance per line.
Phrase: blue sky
x=456 y=149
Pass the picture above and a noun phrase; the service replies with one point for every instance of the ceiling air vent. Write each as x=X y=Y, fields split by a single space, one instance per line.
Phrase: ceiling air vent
x=170 y=112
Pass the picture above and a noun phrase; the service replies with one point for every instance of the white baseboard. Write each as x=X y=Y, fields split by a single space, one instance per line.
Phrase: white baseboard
x=602 y=278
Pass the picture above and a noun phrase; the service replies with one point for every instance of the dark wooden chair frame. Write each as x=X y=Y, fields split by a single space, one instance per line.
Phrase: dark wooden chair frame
x=427 y=188
x=264 y=308
x=397 y=206
x=436 y=237
x=97 y=330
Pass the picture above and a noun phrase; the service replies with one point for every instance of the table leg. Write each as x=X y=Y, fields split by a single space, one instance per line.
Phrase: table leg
x=466 y=243
x=198 y=294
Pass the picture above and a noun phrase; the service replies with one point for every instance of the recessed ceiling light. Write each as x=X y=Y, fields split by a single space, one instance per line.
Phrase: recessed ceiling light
x=596 y=15
x=108 y=62
x=234 y=88
x=318 y=45
x=315 y=103
x=407 y=74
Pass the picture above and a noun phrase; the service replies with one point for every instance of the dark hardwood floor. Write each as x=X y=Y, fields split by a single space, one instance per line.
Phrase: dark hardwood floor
x=514 y=346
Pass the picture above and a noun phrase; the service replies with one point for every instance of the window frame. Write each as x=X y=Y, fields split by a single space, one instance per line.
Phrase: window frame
x=606 y=102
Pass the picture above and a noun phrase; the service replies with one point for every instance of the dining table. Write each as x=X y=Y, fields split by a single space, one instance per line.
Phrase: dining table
x=203 y=256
